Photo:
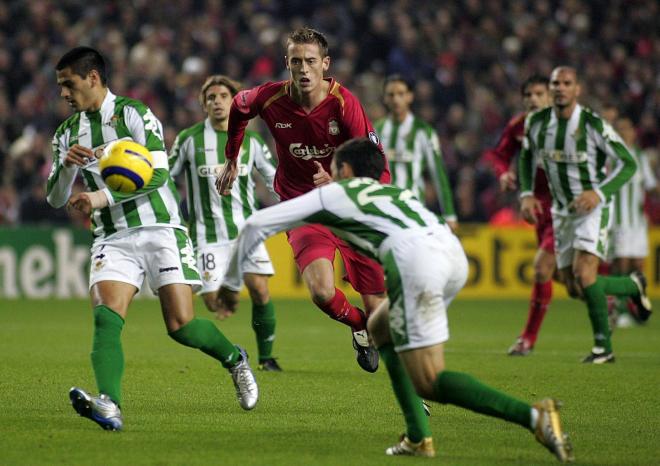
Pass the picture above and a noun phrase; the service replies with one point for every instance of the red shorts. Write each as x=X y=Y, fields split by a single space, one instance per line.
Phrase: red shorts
x=311 y=242
x=544 y=233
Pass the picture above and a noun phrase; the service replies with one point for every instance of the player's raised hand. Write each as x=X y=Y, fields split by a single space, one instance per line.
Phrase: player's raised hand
x=321 y=176
x=78 y=155
x=226 y=179
x=508 y=181
x=530 y=209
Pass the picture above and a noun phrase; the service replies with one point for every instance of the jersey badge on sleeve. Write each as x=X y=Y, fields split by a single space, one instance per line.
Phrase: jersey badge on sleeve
x=373 y=137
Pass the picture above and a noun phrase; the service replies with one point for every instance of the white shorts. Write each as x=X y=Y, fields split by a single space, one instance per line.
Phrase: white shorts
x=162 y=255
x=628 y=242
x=213 y=260
x=587 y=233
x=424 y=273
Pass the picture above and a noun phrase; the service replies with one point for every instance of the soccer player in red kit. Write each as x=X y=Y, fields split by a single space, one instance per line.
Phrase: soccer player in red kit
x=309 y=116
x=536 y=96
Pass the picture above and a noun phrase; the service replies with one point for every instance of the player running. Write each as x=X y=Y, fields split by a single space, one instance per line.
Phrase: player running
x=425 y=267
x=413 y=148
x=136 y=235
x=309 y=116
x=535 y=96
x=199 y=152
x=575 y=145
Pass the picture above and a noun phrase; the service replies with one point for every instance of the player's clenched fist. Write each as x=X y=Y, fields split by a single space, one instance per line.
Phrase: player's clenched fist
x=321 y=176
x=78 y=155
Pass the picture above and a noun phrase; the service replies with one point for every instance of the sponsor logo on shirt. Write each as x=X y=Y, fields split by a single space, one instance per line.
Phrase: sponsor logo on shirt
x=283 y=125
x=310 y=152
x=394 y=155
x=564 y=157
x=333 y=128
x=208 y=171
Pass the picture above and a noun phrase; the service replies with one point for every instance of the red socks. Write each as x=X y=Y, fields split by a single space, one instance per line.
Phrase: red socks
x=541 y=296
x=339 y=309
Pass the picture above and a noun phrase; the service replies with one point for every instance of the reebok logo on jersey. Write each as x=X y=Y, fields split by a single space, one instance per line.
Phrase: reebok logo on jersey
x=167 y=269
x=284 y=125
x=310 y=152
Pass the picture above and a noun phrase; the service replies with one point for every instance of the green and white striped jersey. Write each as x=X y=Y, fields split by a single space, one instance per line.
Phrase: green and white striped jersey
x=575 y=154
x=413 y=148
x=365 y=213
x=629 y=200
x=199 y=152
x=118 y=118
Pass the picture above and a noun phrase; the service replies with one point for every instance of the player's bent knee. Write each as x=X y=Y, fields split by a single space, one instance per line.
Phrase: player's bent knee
x=321 y=294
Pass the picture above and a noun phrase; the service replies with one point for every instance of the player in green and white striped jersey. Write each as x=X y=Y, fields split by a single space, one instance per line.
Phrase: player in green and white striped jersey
x=413 y=148
x=630 y=244
x=575 y=145
x=199 y=152
x=425 y=267
x=138 y=235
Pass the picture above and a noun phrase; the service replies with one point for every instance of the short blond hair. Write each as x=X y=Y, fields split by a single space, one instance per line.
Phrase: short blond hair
x=218 y=80
x=307 y=35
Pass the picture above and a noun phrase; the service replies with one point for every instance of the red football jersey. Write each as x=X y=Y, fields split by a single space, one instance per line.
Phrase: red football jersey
x=507 y=147
x=300 y=137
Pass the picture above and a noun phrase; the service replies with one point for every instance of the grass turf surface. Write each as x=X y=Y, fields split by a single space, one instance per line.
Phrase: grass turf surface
x=179 y=405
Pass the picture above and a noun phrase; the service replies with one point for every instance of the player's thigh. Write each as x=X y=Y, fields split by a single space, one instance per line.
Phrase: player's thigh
x=423 y=366
x=592 y=231
x=311 y=242
x=564 y=234
x=113 y=294
x=423 y=277
x=168 y=258
x=212 y=263
x=319 y=277
x=363 y=273
x=378 y=324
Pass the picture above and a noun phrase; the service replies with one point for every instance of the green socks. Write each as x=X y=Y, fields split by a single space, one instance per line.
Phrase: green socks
x=263 y=324
x=465 y=391
x=417 y=422
x=618 y=285
x=205 y=336
x=596 y=300
x=107 y=354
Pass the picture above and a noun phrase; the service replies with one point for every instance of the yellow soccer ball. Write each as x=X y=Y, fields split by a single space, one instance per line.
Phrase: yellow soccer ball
x=126 y=166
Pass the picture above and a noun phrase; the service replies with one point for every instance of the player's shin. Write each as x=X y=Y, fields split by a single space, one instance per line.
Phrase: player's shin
x=594 y=296
x=538 y=305
x=107 y=354
x=464 y=390
x=205 y=336
x=263 y=324
x=339 y=309
x=417 y=422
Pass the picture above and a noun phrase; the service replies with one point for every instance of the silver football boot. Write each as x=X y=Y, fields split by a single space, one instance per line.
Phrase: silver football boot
x=247 y=390
x=100 y=409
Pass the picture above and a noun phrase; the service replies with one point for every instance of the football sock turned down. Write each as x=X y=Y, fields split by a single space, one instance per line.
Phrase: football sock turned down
x=538 y=305
x=263 y=324
x=417 y=422
x=465 y=391
x=594 y=296
x=339 y=309
x=205 y=336
x=107 y=354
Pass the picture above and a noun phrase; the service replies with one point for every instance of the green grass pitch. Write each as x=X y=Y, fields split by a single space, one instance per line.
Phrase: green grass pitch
x=180 y=409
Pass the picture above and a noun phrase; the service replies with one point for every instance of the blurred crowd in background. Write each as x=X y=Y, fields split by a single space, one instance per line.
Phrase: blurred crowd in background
x=466 y=59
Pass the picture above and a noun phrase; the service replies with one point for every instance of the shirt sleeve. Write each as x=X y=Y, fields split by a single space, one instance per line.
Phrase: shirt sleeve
x=526 y=161
x=264 y=162
x=502 y=154
x=61 y=178
x=264 y=224
x=177 y=157
x=438 y=174
x=244 y=107
x=623 y=166
x=357 y=125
